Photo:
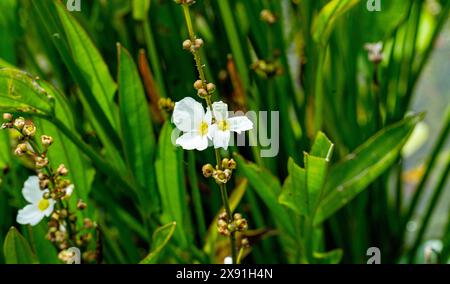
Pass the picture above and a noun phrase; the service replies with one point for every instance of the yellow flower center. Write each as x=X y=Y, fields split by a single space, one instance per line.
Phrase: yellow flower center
x=223 y=125
x=43 y=204
x=203 y=129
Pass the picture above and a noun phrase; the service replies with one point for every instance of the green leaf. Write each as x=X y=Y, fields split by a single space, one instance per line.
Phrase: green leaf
x=316 y=170
x=90 y=62
x=17 y=250
x=140 y=9
x=268 y=188
x=326 y=20
x=137 y=129
x=161 y=238
x=347 y=179
x=294 y=193
x=19 y=91
x=331 y=257
x=322 y=147
x=171 y=184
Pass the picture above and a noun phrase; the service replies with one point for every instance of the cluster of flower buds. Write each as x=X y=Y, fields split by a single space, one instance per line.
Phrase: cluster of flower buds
x=193 y=46
x=166 y=105
x=220 y=174
x=225 y=226
x=59 y=187
x=61 y=223
x=268 y=17
x=204 y=89
x=185 y=2
x=267 y=69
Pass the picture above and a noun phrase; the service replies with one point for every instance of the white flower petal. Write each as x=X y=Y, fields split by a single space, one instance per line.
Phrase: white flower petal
x=188 y=114
x=30 y=214
x=228 y=260
x=31 y=190
x=220 y=110
x=69 y=191
x=240 y=123
x=221 y=139
x=47 y=212
x=193 y=140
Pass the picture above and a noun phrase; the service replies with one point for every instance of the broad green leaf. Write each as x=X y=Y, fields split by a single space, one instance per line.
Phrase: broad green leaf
x=140 y=9
x=4 y=150
x=294 y=193
x=322 y=147
x=331 y=257
x=325 y=21
x=137 y=129
x=17 y=250
x=19 y=91
x=90 y=62
x=4 y=63
x=316 y=169
x=45 y=250
x=171 y=184
x=161 y=238
x=268 y=188
x=347 y=179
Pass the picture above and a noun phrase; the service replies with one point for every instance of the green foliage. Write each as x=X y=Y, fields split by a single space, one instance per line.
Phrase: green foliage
x=343 y=122
x=17 y=250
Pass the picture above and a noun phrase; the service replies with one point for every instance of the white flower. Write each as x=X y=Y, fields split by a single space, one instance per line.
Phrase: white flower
x=189 y=117
x=220 y=131
x=228 y=260
x=375 y=51
x=33 y=213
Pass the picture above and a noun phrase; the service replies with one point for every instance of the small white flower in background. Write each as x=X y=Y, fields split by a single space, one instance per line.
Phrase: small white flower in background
x=39 y=207
x=375 y=51
x=189 y=117
x=228 y=260
x=220 y=131
x=69 y=191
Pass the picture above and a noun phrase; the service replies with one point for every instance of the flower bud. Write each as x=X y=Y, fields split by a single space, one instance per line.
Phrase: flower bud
x=87 y=223
x=223 y=215
x=237 y=216
x=29 y=129
x=202 y=93
x=43 y=184
x=187 y=44
x=41 y=162
x=198 y=84
x=198 y=43
x=210 y=88
x=222 y=176
x=81 y=205
x=62 y=170
x=7 y=117
x=46 y=195
x=21 y=149
x=268 y=17
x=46 y=140
x=19 y=123
x=241 y=224
x=245 y=243
x=207 y=170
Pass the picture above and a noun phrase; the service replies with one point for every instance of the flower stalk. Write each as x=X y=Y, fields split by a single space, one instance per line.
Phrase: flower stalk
x=205 y=90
